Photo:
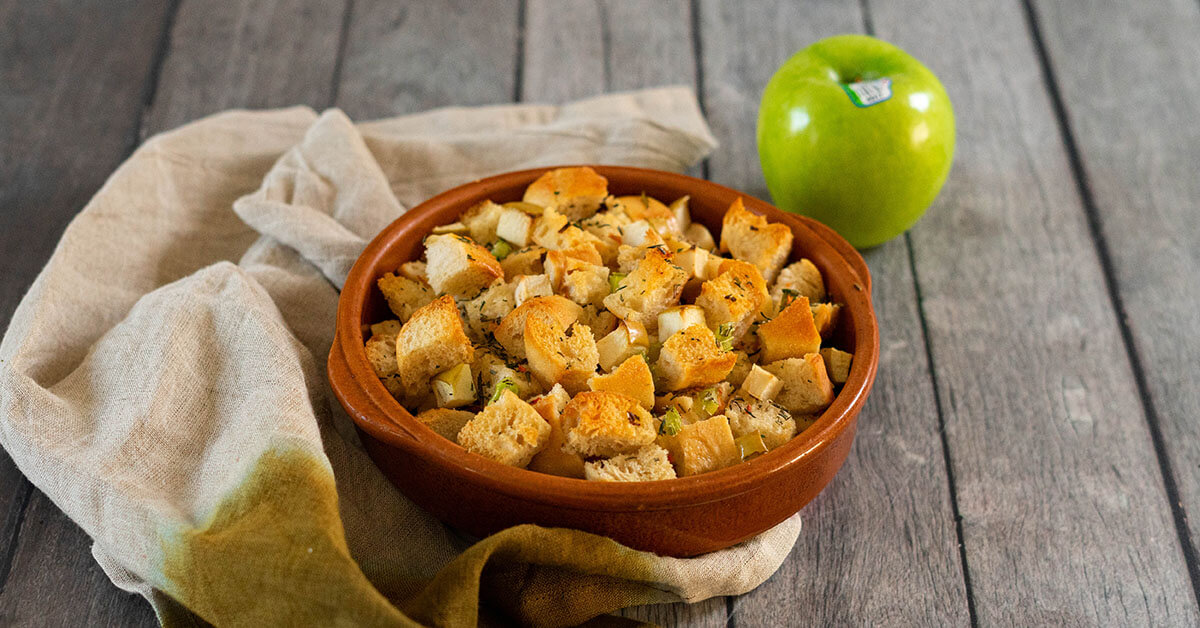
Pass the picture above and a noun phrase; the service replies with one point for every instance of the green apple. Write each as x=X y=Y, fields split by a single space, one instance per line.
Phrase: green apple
x=856 y=133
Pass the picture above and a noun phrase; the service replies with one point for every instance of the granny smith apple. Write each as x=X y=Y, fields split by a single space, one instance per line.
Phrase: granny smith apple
x=858 y=134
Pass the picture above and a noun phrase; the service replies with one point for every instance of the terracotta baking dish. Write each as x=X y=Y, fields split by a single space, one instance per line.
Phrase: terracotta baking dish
x=681 y=517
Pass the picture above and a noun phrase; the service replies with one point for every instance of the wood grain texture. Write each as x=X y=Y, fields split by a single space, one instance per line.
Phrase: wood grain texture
x=581 y=48
x=407 y=57
x=1065 y=518
x=246 y=54
x=72 y=76
x=56 y=582
x=1130 y=91
x=879 y=545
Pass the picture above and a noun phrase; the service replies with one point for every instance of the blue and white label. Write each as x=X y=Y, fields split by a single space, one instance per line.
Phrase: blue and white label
x=867 y=93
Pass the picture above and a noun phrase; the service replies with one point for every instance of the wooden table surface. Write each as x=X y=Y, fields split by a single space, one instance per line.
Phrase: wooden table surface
x=1030 y=453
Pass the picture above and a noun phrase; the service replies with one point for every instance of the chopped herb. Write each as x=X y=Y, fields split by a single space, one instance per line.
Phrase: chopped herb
x=671 y=423
x=633 y=418
x=724 y=336
x=789 y=295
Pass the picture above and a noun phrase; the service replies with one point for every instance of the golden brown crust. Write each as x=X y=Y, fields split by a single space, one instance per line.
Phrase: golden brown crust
x=632 y=378
x=457 y=266
x=735 y=296
x=527 y=261
x=748 y=236
x=560 y=355
x=806 y=385
x=602 y=423
x=508 y=431
x=652 y=287
x=574 y=192
x=691 y=357
x=791 y=334
x=432 y=341
x=705 y=446
x=404 y=295
x=511 y=330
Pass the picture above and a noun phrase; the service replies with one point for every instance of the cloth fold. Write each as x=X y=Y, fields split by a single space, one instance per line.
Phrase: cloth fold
x=163 y=380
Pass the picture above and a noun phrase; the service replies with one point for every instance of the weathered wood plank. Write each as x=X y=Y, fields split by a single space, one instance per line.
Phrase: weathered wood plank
x=72 y=76
x=407 y=57
x=248 y=55
x=1065 y=517
x=1129 y=81
x=56 y=582
x=879 y=544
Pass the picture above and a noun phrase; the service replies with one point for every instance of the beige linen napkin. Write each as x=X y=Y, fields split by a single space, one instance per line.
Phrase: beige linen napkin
x=163 y=380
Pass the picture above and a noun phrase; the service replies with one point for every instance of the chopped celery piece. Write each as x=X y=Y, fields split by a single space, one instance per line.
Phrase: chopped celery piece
x=614 y=281
x=751 y=444
x=501 y=386
x=671 y=423
x=725 y=336
x=709 y=402
x=501 y=249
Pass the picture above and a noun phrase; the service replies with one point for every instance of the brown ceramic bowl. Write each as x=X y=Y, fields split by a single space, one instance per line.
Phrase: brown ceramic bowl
x=681 y=517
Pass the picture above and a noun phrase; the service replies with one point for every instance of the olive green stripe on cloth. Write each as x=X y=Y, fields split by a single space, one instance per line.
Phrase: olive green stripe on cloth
x=274 y=553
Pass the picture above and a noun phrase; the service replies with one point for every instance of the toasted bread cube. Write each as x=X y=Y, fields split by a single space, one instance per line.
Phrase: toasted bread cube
x=527 y=261
x=459 y=267
x=486 y=311
x=454 y=227
x=560 y=355
x=553 y=458
x=761 y=384
x=691 y=357
x=645 y=208
x=445 y=421
x=575 y=192
x=748 y=236
x=799 y=279
x=825 y=317
x=515 y=226
x=432 y=341
x=678 y=317
x=560 y=262
x=455 y=387
x=644 y=465
x=602 y=423
x=791 y=334
x=389 y=327
x=554 y=231
x=490 y=370
x=415 y=271
x=511 y=330
x=587 y=285
x=734 y=297
x=599 y=320
x=381 y=353
x=748 y=415
x=652 y=287
x=806 y=385
x=632 y=379
x=481 y=221
x=837 y=363
x=700 y=236
x=705 y=446
x=530 y=287
x=621 y=343
x=509 y=431
x=403 y=295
